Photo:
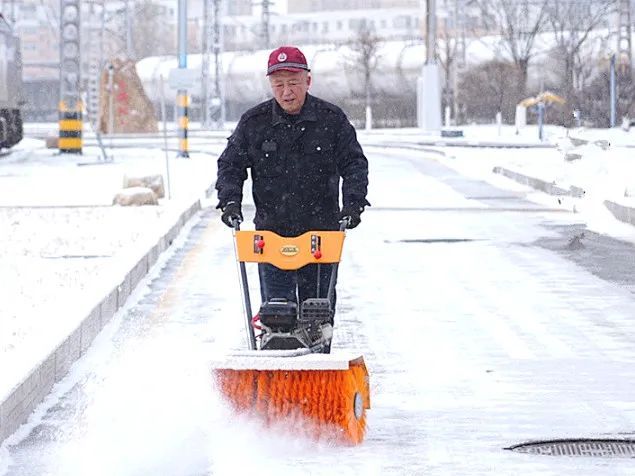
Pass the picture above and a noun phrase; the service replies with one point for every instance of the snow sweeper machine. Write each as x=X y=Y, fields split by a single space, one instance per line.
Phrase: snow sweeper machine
x=288 y=374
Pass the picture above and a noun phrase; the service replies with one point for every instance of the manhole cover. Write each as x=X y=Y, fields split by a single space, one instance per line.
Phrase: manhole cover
x=580 y=447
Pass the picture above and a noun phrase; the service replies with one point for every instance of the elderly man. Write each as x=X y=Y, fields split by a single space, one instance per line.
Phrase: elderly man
x=297 y=147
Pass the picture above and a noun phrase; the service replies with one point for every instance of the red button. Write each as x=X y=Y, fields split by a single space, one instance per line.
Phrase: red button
x=260 y=244
x=317 y=254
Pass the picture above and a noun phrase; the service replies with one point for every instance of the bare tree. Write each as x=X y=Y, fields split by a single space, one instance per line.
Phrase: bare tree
x=594 y=98
x=448 y=51
x=572 y=23
x=151 y=34
x=485 y=89
x=518 y=22
x=365 y=48
x=453 y=38
x=150 y=31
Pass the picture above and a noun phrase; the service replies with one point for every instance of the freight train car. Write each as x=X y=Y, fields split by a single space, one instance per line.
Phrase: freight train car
x=11 y=87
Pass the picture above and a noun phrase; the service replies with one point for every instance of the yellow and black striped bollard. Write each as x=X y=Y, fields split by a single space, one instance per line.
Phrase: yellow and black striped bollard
x=183 y=101
x=70 y=125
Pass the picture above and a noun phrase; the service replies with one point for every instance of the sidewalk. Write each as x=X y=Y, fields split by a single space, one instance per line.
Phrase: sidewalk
x=70 y=259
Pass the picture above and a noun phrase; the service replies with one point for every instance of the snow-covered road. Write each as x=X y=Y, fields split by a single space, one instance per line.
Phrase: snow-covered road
x=477 y=336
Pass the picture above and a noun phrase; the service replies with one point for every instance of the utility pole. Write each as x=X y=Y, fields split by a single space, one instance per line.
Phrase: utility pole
x=460 y=56
x=11 y=17
x=95 y=29
x=128 y=20
x=624 y=37
x=613 y=92
x=431 y=32
x=266 y=14
x=212 y=95
x=429 y=83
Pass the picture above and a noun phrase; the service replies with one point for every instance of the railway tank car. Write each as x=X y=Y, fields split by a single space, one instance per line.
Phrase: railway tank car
x=11 y=87
x=337 y=77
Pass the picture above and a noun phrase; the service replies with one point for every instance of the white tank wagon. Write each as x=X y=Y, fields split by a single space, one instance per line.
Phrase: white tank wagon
x=336 y=76
x=334 y=71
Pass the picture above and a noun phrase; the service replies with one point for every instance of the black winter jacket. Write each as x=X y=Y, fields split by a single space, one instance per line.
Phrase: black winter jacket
x=296 y=162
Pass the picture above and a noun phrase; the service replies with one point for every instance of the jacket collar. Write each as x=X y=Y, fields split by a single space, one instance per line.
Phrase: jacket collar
x=307 y=113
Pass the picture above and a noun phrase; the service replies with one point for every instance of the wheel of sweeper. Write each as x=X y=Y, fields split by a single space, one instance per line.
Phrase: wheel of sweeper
x=354 y=402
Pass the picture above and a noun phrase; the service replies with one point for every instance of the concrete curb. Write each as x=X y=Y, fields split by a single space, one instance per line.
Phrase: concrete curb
x=25 y=396
x=420 y=145
x=538 y=184
x=487 y=144
x=623 y=213
x=409 y=146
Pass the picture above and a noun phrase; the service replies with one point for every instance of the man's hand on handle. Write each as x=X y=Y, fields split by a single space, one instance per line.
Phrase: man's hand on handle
x=231 y=213
x=352 y=214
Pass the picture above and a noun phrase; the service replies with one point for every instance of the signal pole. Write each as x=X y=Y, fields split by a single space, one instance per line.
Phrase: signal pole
x=182 y=98
x=70 y=105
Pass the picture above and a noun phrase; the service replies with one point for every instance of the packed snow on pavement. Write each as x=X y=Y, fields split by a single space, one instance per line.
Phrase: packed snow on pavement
x=63 y=227
x=66 y=243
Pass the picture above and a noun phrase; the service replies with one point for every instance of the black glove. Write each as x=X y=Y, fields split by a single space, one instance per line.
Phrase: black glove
x=231 y=213
x=352 y=213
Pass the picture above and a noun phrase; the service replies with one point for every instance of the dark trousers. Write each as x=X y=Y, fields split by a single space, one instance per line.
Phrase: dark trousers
x=296 y=286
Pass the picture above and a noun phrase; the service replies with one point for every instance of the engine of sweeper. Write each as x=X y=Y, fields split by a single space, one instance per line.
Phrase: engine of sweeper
x=286 y=328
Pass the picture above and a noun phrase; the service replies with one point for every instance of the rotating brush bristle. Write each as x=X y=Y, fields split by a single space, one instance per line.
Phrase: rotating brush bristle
x=329 y=403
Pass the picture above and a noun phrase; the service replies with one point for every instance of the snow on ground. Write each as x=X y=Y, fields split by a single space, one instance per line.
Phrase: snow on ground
x=502 y=367
x=598 y=161
x=603 y=172
x=66 y=244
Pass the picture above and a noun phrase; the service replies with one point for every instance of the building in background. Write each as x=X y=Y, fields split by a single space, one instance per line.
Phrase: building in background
x=322 y=27
x=37 y=25
x=231 y=7
x=310 y=6
x=239 y=7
